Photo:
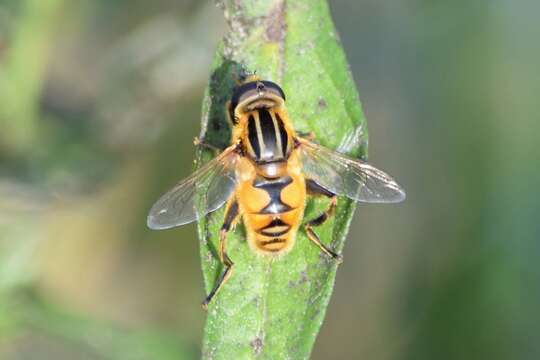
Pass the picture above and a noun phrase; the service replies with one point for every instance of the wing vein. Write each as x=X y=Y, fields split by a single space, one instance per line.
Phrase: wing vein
x=206 y=190
x=343 y=175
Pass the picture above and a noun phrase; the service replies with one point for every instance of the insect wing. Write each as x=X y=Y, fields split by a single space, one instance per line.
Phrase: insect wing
x=346 y=176
x=212 y=185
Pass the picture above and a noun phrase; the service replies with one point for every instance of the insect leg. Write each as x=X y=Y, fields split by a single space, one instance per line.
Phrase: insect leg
x=198 y=142
x=315 y=189
x=231 y=215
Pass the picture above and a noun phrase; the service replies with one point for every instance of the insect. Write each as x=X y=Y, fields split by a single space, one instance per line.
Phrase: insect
x=264 y=177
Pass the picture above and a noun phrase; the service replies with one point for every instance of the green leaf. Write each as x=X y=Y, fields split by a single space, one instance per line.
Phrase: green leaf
x=273 y=308
x=30 y=317
x=22 y=72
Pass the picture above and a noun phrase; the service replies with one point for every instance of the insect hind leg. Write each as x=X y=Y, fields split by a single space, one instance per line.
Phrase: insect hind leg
x=231 y=215
x=315 y=189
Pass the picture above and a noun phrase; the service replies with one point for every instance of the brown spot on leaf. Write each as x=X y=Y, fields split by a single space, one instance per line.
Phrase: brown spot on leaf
x=302 y=280
x=322 y=103
x=303 y=277
x=257 y=345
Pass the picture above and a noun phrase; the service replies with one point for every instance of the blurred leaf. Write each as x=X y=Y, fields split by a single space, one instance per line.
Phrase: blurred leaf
x=273 y=309
x=21 y=76
x=36 y=319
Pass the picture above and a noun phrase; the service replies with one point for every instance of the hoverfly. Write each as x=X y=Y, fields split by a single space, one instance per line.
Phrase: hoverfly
x=264 y=176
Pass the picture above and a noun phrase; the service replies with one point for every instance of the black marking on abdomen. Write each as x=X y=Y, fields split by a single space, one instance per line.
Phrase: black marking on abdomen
x=272 y=241
x=272 y=185
x=275 y=207
x=276 y=228
x=273 y=188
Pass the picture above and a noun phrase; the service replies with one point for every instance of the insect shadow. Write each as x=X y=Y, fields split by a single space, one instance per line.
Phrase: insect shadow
x=216 y=129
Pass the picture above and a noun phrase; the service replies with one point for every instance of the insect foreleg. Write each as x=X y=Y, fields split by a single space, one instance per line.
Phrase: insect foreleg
x=315 y=189
x=231 y=215
x=198 y=142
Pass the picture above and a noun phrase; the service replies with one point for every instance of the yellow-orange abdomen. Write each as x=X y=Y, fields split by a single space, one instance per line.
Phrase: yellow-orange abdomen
x=272 y=211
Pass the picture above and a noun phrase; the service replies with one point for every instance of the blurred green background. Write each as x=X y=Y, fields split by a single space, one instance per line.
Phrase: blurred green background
x=99 y=102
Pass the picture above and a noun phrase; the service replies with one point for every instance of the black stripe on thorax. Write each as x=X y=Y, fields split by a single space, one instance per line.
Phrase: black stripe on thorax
x=252 y=137
x=267 y=136
x=271 y=150
x=283 y=134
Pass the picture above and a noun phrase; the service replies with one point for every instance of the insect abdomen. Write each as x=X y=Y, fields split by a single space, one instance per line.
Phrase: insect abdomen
x=275 y=233
x=273 y=210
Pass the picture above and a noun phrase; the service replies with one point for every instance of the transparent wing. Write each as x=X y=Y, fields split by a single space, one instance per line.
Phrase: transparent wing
x=346 y=176
x=212 y=184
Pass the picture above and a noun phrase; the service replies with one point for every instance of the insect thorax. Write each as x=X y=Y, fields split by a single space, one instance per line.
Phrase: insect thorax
x=267 y=142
